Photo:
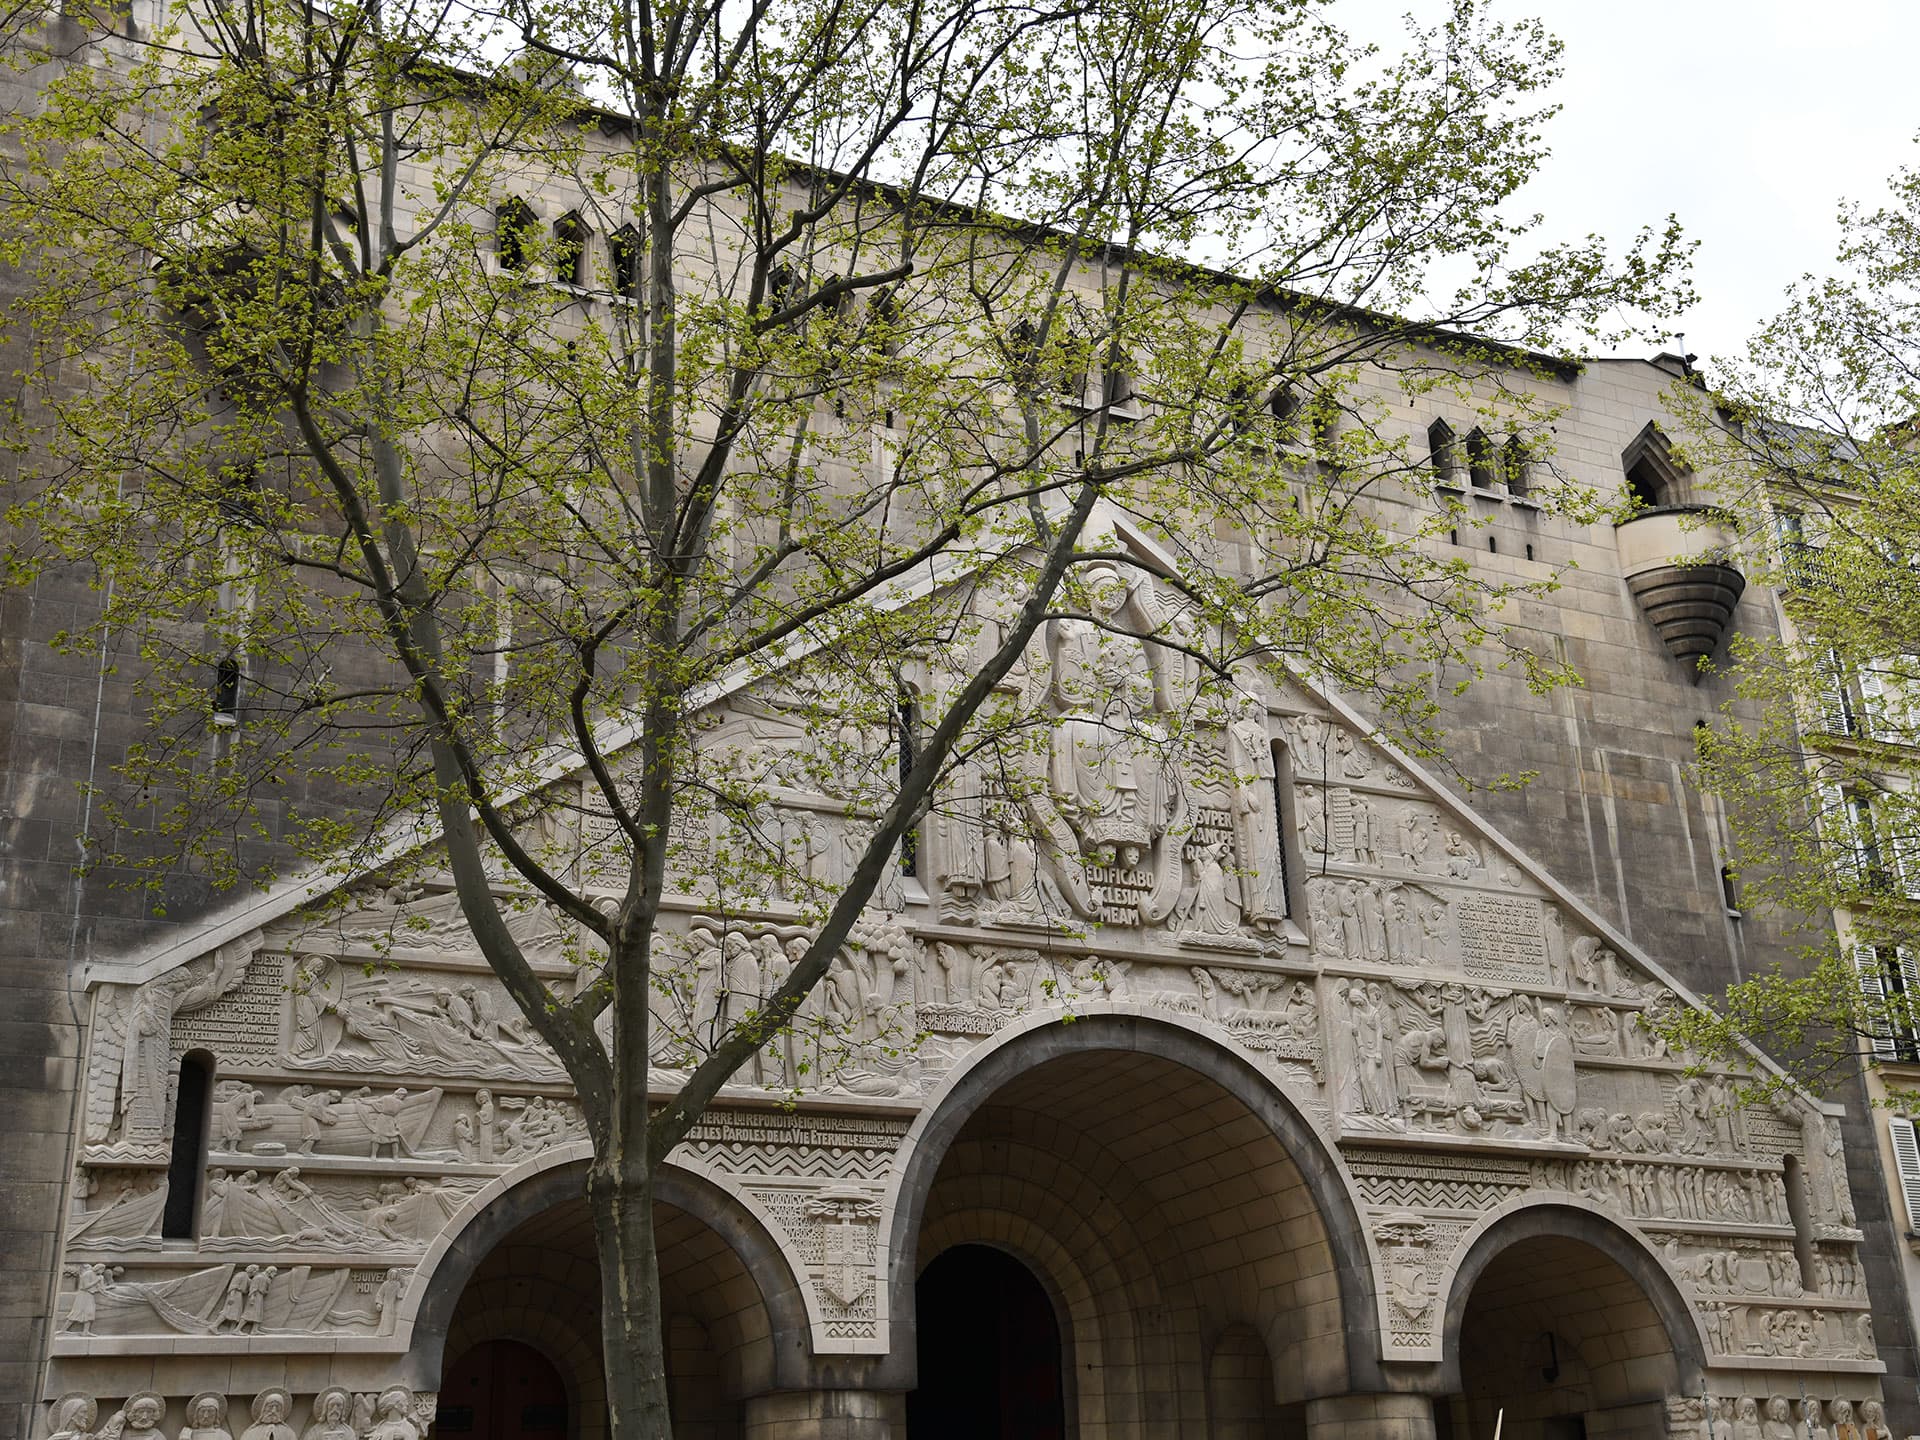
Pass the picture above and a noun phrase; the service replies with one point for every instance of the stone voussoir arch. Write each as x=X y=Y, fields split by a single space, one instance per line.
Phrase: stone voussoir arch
x=1107 y=1026
x=537 y=1185
x=1565 y=1217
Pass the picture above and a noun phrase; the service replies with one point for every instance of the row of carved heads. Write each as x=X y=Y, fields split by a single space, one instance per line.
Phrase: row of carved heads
x=1774 y=1417
x=395 y=1413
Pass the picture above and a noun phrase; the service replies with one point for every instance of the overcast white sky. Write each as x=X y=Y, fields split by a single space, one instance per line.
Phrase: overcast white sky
x=1750 y=119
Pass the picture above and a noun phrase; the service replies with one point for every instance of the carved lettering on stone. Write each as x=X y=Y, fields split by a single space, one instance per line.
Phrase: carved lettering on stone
x=1503 y=939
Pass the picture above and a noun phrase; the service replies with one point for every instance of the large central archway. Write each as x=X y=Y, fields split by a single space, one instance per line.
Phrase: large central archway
x=1190 y=1228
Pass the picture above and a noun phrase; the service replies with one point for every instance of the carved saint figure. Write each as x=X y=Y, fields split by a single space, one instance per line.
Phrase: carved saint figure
x=270 y=1410
x=1210 y=906
x=1110 y=781
x=72 y=1418
x=386 y=1299
x=140 y=1420
x=1779 y=1424
x=1543 y=1054
x=1807 y=1422
x=1843 y=1426
x=1256 y=822
x=393 y=1418
x=206 y=1418
x=1873 y=1421
x=332 y=1416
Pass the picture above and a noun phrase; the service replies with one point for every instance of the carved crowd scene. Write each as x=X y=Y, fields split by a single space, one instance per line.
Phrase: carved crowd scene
x=1257 y=870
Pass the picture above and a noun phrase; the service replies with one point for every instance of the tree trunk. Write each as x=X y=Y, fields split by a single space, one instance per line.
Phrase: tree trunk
x=633 y=1339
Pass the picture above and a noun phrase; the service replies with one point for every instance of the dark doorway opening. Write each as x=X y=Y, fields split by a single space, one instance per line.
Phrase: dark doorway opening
x=503 y=1390
x=989 y=1347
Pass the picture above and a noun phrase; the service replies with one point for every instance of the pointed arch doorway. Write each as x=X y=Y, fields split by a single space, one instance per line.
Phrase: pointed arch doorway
x=989 y=1351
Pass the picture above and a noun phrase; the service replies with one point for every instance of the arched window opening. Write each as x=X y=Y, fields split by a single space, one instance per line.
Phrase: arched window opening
x=783 y=288
x=1444 y=453
x=187 y=1161
x=1646 y=486
x=623 y=247
x=512 y=228
x=1655 y=476
x=570 y=249
x=1483 y=468
x=1518 y=462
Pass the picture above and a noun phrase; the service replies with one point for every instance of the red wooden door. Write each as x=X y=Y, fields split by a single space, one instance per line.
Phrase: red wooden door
x=502 y=1390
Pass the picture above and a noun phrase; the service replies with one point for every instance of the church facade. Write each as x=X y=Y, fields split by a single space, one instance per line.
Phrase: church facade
x=1309 y=1097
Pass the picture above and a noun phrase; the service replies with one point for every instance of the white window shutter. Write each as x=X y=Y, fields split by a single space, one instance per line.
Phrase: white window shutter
x=1873 y=989
x=1876 y=701
x=1906 y=1158
x=1836 y=701
x=1837 y=833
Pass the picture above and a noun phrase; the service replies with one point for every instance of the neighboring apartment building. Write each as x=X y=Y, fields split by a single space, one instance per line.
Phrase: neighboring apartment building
x=1304 y=1095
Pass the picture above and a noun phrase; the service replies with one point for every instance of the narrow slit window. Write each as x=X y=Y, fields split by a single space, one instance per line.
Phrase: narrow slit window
x=569 y=249
x=512 y=225
x=1517 y=465
x=623 y=249
x=909 y=719
x=1283 y=884
x=1483 y=469
x=226 y=691
x=1443 y=454
x=187 y=1161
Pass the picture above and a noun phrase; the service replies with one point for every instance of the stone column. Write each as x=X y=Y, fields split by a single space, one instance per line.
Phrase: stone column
x=1377 y=1417
x=828 y=1415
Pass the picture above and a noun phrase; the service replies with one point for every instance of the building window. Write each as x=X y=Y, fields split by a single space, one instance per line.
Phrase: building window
x=1890 y=983
x=187 y=1161
x=1283 y=819
x=908 y=717
x=570 y=249
x=226 y=692
x=1654 y=474
x=1794 y=1181
x=1517 y=464
x=1443 y=455
x=1483 y=465
x=512 y=228
x=1906 y=1159
x=623 y=249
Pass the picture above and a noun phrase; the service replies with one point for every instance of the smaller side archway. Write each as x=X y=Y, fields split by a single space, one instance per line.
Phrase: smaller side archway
x=523 y=1268
x=1567 y=1324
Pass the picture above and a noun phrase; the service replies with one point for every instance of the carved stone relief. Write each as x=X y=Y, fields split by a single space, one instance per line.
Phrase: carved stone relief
x=396 y=1413
x=234 y=1300
x=411 y=1022
x=131 y=1069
